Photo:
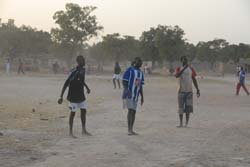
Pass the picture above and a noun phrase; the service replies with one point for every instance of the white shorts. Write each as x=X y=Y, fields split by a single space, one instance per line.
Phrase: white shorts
x=116 y=76
x=129 y=104
x=74 y=106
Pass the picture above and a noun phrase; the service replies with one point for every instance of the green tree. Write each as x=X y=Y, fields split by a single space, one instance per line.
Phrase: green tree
x=190 y=51
x=148 y=48
x=243 y=50
x=112 y=46
x=120 y=48
x=76 y=25
x=217 y=46
x=170 y=42
x=203 y=51
x=23 y=41
x=230 y=53
x=131 y=47
x=96 y=52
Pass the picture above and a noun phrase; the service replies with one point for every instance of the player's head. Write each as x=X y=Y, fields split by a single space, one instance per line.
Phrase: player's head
x=80 y=61
x=133 y=63
x=137 y=62
x=241 y=68
x=184 y=60
x=117 y=63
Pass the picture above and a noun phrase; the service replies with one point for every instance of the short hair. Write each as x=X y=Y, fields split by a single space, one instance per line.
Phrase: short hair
x=137 y=59
x=80 y=57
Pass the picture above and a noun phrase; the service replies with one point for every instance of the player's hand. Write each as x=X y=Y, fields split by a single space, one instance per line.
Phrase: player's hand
x=142 y=101
x=129 y=94
x=88 y=91
x=198 y=94
x=60 y=100
x=126 y=93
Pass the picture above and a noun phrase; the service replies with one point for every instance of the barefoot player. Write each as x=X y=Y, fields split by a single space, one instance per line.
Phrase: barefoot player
x=133 y=81
x=116 y=76
x=76 y=97
x=186 y=75
x=241 y=83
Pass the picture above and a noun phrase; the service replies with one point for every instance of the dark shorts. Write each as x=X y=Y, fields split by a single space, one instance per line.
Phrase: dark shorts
x=185 y=102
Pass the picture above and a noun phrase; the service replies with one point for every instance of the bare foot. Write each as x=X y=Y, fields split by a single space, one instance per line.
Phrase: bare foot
x=130 y=133
x=134 y=133
x=86 y=133
x=73 y=136
x=180 y=126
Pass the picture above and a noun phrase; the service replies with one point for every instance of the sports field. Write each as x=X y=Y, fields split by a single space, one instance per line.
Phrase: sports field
x=35 y=128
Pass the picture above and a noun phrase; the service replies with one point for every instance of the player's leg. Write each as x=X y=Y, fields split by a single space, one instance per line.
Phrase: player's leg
x=83 y=120
x=114 y=83
x=238 y=88
x=83 y=108
x=187 y=118
x=181 y=121
x=73 y=109
x=244 y=87
x=133 y=121
x=181 y=109
x=71 y=122
x=129 y=119
x=188 y=106
x=119 y=85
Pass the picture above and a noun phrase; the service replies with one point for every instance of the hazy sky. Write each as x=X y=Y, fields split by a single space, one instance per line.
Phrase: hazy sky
x=202 y=20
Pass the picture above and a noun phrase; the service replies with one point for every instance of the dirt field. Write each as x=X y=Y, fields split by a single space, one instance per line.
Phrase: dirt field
x=35 y=128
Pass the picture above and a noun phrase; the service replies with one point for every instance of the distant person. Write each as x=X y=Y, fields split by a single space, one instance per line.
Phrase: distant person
x=241 y=83
x=171 y=71
x=116 y=76
x=20 y=67
x=146 y=69
x=7 y=66
x=238 y=70
x=133 y=80
x=55 y=67
x=186 y=75
x=76 y=95
x=88 y=69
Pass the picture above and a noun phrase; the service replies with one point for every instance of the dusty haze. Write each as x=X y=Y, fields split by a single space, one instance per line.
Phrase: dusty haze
x=202 y=20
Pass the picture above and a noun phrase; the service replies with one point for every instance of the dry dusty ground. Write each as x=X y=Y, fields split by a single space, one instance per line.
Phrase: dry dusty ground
x=35 y=127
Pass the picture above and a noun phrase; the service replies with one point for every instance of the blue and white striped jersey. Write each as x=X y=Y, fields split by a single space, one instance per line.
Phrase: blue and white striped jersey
x=135 y=79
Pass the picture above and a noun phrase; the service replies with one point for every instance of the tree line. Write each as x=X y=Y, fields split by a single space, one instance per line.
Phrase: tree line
x=76 y=25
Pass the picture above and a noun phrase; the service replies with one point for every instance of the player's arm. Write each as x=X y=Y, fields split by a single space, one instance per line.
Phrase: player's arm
x=125 y=84
x=195 y=82
x=179 y=72
x=196 y=86
x=141 y=94
x=126 y=92
x=66 y=84
x=88 y=90
x=125 y=80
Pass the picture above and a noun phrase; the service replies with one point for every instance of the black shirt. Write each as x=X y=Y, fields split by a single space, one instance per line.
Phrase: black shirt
x=117 y=69
x=76 y=82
